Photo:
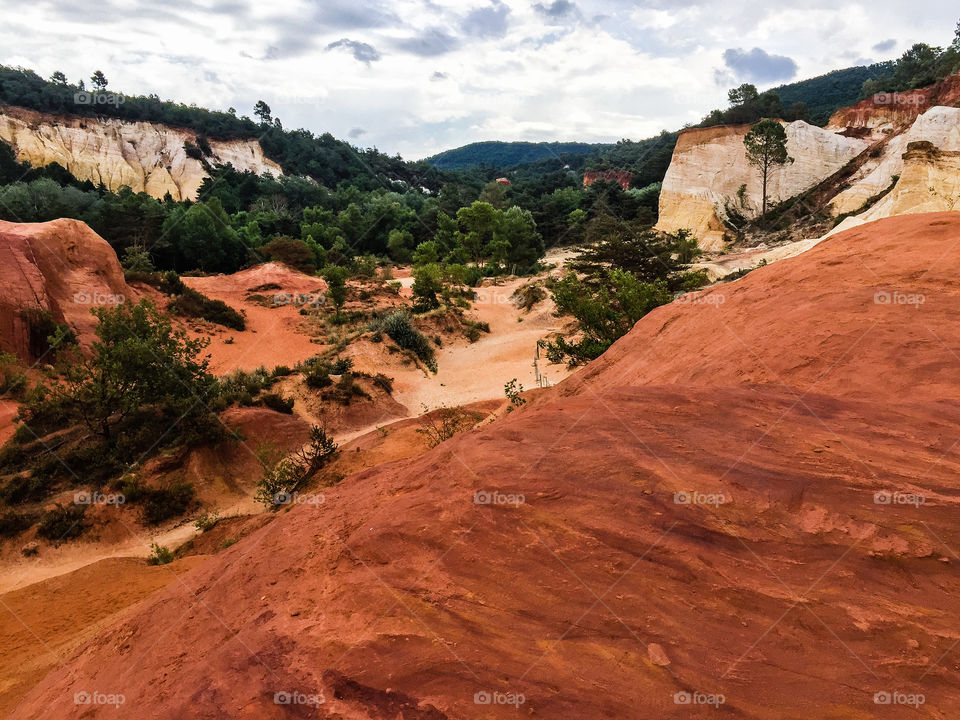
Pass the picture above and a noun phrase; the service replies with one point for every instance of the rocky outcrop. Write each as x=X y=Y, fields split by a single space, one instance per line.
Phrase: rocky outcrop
x=891 y=113
x=892 y=154
x=621 y=177
x=56 y=271
x=917 y=163
x=147 y=157
x=710 y=166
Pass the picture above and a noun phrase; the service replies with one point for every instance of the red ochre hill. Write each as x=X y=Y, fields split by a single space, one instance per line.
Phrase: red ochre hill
x=748 y=508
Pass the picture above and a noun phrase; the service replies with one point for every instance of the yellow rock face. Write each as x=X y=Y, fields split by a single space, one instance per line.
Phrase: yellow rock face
x=922 y=160
x=144 y=156
x=709 y=167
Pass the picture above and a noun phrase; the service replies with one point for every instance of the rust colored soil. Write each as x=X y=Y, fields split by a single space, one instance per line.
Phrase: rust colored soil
x=747 y=509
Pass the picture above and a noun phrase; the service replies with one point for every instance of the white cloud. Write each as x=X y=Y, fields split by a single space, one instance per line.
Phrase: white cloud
x=419 y=76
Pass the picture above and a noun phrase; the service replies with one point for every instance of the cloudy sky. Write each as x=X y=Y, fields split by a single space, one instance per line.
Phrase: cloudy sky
x=419 y=76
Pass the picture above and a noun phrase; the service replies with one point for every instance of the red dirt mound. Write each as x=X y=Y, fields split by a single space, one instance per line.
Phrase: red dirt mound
x=695 y=527
x=60 y=267
x=274 y=334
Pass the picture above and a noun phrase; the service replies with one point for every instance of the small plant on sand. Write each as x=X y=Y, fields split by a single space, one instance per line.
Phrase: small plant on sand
x=444 y=423
x=512 y=390
x=159 y=555
x=281 y=480
x=206 y=521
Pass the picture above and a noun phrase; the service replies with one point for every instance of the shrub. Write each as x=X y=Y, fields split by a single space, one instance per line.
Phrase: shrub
x=512 y=390
x=277 y=402
x=206 y=521
x=190 y=303
x=14 y=523
x=444 y=423
x=279 y=481
x=341 y=365
x=383 y=382
x=282 y=371
x=159 y=555
x=25 y=488
x=317 y=376
x=398 y=326
x=62 y=523
x=528 y=296
x=13 y=381
x=161 y=504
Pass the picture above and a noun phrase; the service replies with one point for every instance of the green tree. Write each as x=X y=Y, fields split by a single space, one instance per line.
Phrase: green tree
x=478 y=223
x=400 y=245
x=290 y=251
x=138 y=365
x=137 y=259
x=99 y=81
x=58 y=78
x=336 y=278
x=262 y=111
x=766 y=145
x=605 y=312
x=746 y=94
x=427 y=284
x=523 y=245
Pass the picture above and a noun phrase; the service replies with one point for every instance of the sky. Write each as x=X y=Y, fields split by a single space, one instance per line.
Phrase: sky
x=418 y=76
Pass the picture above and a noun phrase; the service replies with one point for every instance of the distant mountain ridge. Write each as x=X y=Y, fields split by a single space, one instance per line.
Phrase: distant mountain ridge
x=508 y=154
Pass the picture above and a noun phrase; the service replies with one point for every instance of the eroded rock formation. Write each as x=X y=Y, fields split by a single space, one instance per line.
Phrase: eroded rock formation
x=145 y=156
x=57 y=270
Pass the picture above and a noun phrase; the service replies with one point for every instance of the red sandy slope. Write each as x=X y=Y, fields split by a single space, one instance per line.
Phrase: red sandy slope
x=798 y=398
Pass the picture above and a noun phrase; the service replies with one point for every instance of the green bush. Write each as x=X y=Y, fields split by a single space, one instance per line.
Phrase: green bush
x=14 y=523
x=13 y=381
x=161 y=504
x=384 y=383
x=24 y=489
x=277 y=402
x=62 y=523
x=159 y=555
x=401 y=330
x=190 y=303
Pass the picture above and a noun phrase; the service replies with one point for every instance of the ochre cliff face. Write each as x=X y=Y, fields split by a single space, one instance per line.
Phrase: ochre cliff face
x=622 y=177
x=894 y=112
x=146 y=157
x=710 y=165
x=60 y=267
x=938 y=128
x=905 y=147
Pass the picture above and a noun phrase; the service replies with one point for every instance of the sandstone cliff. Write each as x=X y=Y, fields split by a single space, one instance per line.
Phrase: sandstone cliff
x=59 y=269
x=710 y=165
x=892 y=154
x=145 y=156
